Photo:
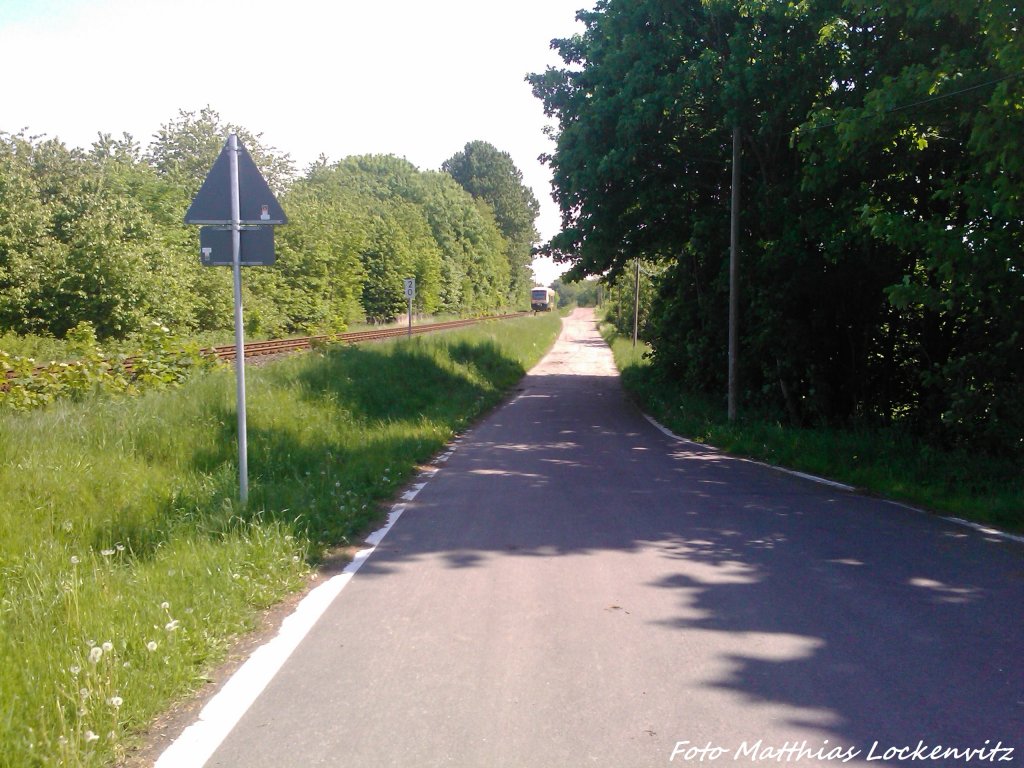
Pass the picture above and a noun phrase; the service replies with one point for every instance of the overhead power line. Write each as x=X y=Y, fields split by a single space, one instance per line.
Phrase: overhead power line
x=911 y=105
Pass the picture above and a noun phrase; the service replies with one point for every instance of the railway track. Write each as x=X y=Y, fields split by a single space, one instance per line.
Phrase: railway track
x=257 y=349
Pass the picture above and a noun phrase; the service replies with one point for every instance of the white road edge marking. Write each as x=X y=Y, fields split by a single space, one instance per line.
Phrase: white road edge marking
x=813 y=478
x=199 y=741
x=985 y=529
x=849 y=488
x=805 y=476
x=411 y=493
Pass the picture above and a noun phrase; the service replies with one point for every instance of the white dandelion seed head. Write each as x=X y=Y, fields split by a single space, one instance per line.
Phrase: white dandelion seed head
x=106 y=552
x=75 y=669
x=151 y=646
x=115 y=701
x=83 y=692
x=90 y=737
x=171 y=625
x=95 y=654
x=165 y=605
x=108 y=647
x=75 y=560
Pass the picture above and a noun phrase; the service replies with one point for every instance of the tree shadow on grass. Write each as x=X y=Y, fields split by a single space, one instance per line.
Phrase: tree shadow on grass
x=393 y=406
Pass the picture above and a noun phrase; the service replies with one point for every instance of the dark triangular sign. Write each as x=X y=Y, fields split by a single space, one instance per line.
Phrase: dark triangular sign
x=257 y=204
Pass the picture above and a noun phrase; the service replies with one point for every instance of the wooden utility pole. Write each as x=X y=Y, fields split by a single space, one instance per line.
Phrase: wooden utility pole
x=734 y=257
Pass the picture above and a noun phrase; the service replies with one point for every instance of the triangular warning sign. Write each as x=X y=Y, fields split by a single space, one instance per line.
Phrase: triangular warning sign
x=257 y=204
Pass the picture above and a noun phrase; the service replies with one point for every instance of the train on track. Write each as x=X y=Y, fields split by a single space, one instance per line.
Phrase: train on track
x=542 y=299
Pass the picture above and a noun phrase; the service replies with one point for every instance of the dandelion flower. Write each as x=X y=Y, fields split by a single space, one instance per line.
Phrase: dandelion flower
x=106 y=552
x=151 y=646
x=75 y=669
x=89 y=737
x=108 y=647
x=75 y=560
x=83 y=692
x=165 y=605
x=119 y=547
x=115 y=701
x=171 y=625
x=95 y=654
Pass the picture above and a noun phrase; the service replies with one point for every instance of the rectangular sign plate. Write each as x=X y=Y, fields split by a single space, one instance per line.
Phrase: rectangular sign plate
x=257 y=246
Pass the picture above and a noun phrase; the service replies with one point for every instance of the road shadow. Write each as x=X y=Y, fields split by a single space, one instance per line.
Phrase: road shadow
x=869 y=622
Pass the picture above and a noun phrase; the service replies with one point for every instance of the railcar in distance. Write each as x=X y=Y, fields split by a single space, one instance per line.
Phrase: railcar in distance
x=542 y=299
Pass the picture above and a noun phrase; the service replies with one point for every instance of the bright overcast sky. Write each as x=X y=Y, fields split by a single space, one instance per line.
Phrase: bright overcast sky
x=405 y=77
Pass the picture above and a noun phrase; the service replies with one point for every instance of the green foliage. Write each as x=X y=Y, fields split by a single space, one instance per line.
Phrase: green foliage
x=491 y=176
x=582 y=293
x=127 y=568
x=881 y=207
x=162 y=361
x=97 y=236
x=185 y=148
x=619 y=300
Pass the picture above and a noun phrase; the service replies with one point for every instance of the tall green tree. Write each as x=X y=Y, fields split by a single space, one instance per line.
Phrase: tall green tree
x=185 y=148
x=881 y=198
x=918 y=125
x=491 y=175
x=82 y=246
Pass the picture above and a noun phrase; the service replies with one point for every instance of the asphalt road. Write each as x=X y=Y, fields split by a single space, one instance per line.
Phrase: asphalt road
x=575 y=588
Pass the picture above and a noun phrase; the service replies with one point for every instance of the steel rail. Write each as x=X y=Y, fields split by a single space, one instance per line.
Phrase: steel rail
x=283 y=346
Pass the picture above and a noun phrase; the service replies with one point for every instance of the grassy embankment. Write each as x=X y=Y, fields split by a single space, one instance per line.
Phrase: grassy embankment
x=956 y=483
x=126 y=566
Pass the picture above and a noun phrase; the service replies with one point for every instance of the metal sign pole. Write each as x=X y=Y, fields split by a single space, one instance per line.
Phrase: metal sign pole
x=410 y=293
x=236 y=262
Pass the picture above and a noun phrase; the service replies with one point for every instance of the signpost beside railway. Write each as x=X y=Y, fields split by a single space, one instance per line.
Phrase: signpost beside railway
x=238 y=204
x=410 y=294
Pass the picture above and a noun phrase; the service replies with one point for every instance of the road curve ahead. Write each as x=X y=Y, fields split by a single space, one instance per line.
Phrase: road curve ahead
x=575 y=588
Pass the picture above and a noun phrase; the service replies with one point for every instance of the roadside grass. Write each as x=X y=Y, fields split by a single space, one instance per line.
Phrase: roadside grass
x=126 y=565
x=885 y=462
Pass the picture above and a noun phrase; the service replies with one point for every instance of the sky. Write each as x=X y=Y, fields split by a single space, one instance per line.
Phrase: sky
x=335 y=77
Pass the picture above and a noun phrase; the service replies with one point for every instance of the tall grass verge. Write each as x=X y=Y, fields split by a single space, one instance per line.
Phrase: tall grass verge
x=127 y=566
x=887 y=462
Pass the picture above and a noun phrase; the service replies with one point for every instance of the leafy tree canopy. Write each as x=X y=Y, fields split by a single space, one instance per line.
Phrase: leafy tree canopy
x=881 y=215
